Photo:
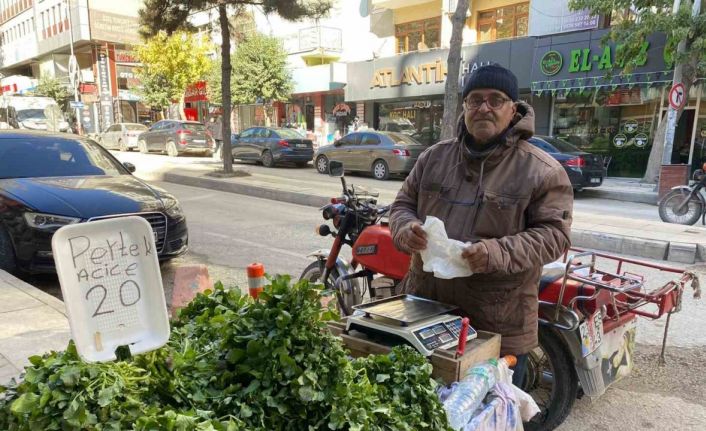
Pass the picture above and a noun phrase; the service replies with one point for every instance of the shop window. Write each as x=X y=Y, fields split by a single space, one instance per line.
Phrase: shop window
x=618 y=124
x=418 y=119
x=503 y=23
x=418 y=35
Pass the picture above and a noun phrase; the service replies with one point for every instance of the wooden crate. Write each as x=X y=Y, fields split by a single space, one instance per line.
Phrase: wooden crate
x=446 y=366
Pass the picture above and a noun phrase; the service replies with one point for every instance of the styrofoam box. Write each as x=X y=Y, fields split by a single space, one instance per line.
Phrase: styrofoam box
x=112 y=286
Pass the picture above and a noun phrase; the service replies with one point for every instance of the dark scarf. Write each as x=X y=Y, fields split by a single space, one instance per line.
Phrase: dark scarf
x=478 y=151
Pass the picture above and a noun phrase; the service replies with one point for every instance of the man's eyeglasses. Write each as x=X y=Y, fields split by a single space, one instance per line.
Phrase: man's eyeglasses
x=493 y=101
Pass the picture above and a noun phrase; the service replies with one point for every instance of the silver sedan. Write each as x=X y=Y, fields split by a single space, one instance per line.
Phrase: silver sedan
x=121 y=136
x=380 y=153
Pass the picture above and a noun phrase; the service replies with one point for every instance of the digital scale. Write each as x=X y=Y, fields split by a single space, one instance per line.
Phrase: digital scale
x=422 y=323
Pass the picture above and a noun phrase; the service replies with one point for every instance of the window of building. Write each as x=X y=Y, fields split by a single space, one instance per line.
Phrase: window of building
x=418 y=35
x=503 y=23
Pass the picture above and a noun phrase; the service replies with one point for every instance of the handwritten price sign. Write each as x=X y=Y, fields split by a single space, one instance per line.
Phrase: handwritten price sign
x=112 y=286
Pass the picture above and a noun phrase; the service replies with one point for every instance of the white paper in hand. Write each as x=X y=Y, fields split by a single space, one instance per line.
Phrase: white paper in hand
x=443 y=255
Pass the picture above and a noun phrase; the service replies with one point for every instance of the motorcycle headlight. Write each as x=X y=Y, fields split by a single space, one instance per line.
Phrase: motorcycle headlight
x=173 y=209
x=48 y=221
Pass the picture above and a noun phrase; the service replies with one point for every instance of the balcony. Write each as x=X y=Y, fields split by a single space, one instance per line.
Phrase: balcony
x=325 y=77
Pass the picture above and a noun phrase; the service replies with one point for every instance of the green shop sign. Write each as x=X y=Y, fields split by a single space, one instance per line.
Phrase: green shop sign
x=551 y=63
x=584 y=59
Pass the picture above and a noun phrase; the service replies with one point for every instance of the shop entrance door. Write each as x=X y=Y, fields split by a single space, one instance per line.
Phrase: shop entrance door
x=309 y=117
x=682 y=137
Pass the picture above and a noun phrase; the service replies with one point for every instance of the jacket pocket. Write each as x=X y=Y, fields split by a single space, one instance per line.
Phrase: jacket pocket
x=436 y=200
x=499 y=215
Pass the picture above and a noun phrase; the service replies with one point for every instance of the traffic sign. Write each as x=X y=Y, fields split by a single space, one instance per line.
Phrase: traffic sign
x=76 y=104
x=677 y=96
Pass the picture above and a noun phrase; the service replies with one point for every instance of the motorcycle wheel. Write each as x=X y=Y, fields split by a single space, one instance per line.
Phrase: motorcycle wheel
x=344 y=301
x=688 y=215
x=551 y=380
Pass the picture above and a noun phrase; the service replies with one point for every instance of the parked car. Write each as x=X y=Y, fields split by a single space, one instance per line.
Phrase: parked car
x=175 y=138
x=380 y=153
x=50 y=180
x=121 y=136
x=584 y=169
x=271 y=146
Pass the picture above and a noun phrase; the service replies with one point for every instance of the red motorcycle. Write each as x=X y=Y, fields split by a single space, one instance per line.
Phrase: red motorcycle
x=587 y=316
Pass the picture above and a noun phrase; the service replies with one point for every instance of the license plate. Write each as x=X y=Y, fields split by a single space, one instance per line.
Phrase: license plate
x=591 y=333
x=301 y=145
x=595 y=180
x=199 y=141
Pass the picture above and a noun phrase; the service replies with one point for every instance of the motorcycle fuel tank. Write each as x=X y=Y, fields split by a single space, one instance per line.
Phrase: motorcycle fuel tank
x=374 y=250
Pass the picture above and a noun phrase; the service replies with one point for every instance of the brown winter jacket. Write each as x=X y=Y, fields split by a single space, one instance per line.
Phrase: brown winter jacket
x=522 y=213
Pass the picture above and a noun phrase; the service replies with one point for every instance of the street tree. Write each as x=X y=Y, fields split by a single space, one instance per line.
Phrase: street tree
x=172 y=15
x=50 y=86
x=170 y=63
x=155 y=92
x=260 y=71
x=451 y=88
x=685 y=48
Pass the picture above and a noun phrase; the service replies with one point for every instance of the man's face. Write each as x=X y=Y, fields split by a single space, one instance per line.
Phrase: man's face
x=487 y=113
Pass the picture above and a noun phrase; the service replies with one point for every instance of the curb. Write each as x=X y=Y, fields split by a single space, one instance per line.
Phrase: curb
x=244 y=189
x=612 y=243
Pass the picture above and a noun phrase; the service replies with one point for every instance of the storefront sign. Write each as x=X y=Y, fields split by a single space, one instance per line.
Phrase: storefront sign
x=426 y=73
x=420 y=74
x=106 y=98
x=111 y=27
x=196 y=92
x=341 y=110
x=555 y=16
x=584 y=62
x=641 y=140
x=408 y=114
x=620 y=140
x=551 y=63
x=123 y=56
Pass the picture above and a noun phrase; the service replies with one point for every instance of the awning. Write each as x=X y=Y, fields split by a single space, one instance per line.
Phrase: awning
x=586 y=84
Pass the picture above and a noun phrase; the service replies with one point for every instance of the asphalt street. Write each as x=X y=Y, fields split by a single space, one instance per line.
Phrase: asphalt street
x=229 y=231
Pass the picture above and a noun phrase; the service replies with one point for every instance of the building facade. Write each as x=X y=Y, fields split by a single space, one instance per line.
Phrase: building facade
x=561 y=67
x=36 y=38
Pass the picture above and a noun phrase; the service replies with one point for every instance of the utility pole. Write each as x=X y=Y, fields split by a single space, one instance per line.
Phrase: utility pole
x=73 y=68
x=678 y=78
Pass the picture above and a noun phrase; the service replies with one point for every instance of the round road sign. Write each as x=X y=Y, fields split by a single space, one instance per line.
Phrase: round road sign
x=677 y=96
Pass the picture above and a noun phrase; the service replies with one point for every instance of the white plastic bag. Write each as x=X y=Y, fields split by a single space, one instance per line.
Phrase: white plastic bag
x=443 y=255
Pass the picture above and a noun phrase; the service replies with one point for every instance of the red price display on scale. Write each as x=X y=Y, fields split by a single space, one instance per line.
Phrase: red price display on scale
x=677 y=96
x=112 y=286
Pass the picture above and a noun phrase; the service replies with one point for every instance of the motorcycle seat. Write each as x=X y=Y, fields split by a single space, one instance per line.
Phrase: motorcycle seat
x=549 y=276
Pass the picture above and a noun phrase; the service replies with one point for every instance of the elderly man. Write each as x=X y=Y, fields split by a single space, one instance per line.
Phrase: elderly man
x=508 y=200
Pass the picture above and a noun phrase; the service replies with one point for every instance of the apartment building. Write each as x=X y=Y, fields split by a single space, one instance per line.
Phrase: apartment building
x=35 y=41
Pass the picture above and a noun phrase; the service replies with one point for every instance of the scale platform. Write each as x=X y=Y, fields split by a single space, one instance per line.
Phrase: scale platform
x=422 y=323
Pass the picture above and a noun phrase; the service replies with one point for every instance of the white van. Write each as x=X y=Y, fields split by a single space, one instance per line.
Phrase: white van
x=28 y=112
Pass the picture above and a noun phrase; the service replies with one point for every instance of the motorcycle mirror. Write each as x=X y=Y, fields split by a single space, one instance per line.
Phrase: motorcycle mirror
x=335 y=169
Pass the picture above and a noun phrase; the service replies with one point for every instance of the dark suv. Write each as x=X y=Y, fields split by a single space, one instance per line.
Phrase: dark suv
x=175 y=138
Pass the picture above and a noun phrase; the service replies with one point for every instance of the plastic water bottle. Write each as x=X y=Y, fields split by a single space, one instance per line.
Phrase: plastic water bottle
x=470 y=392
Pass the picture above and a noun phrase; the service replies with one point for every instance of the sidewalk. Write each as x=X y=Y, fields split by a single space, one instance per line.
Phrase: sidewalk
x=604 y=228
x=31 y=323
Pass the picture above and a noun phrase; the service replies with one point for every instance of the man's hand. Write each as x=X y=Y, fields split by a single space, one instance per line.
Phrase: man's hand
x=413 y=238
x=477 y=257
